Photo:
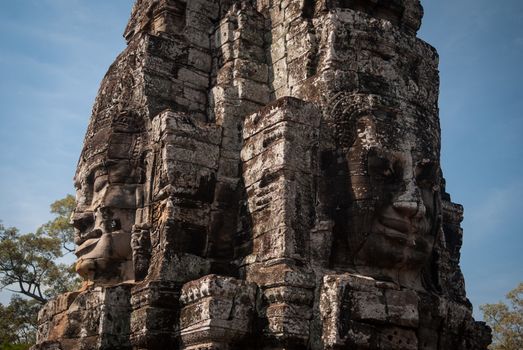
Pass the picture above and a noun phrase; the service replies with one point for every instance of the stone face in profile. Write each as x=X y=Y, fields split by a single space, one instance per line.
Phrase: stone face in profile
x=108 y=181
x=103 y=220
x=266 y=175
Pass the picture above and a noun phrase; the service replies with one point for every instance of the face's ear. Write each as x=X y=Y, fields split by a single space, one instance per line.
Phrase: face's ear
x=363 y=140
x=364 y=132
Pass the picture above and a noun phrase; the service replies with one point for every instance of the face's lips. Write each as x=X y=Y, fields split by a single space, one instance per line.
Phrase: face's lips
x=86 y=247
x=396 y=224
x=390 y=232
x=396 y=229
x=399 y=229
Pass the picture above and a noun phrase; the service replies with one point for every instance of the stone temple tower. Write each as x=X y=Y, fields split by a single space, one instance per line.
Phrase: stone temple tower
x=265 y=174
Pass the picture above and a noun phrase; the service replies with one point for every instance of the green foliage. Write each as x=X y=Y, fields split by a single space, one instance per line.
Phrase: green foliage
x=15 y=346
x=60 y=227
x=28 y=266
x=506 y=321
x=8 y=346
x=18 y=323
x=28 y=262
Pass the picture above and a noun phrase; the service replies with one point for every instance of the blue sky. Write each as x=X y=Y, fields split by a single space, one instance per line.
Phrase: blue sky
x=54 y=53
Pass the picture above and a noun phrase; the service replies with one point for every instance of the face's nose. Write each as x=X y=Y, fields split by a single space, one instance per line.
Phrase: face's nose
x=407 y=209
x=408 y=203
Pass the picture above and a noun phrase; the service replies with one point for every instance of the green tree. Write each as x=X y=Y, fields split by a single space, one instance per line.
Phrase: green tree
x=60 y=227
x=28 y=266
x=18 y=323
x=28 y=262
x=506 y=321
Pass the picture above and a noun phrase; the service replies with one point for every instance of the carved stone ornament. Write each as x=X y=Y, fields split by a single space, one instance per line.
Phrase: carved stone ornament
x=266 y=175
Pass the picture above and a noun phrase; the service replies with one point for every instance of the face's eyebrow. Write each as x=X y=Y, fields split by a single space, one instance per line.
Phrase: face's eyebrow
x=392 y=156
x=89 y=174
x=77 y=183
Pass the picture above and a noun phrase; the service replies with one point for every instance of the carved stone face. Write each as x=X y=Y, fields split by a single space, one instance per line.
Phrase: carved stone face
x=141 y=240
x=103 y=219
x=393 y=175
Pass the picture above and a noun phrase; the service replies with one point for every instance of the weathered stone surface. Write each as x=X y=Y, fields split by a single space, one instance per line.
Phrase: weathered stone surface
x=216 y=309
x=94 y=319
x=262 y=174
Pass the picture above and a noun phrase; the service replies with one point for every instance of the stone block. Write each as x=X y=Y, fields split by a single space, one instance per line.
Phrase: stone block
x=216 y=308
x=371 y=302
x=286 y=145
x=278 y=49
x=185 y=149
x=252 y=91
x=241 y=49
x=398 y=338
x=402 y=307
x=278 y=74
x=284 y=109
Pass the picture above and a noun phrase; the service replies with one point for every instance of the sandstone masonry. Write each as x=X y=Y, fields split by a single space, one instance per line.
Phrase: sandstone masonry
x=265 y=174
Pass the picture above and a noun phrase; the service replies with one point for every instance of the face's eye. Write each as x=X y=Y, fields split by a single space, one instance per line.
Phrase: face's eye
x=78 y=185
x=388 y=172
x=426 y=174
x=82 y=221
x=383 y=167
x=99 y=183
